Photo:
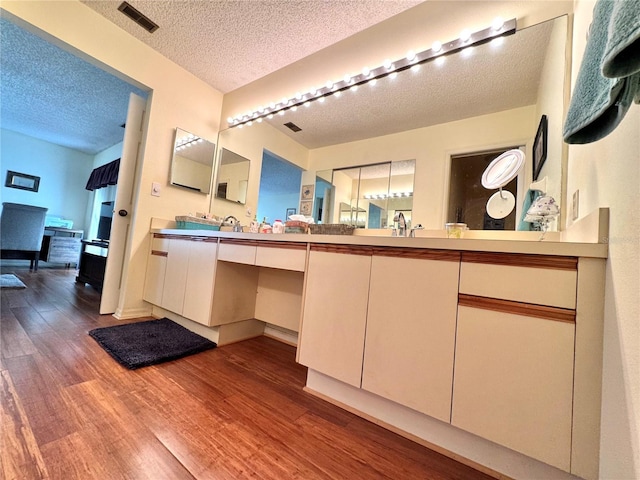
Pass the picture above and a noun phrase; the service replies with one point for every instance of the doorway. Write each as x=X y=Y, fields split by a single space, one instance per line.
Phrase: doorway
x=467 y=201
x=279 y=192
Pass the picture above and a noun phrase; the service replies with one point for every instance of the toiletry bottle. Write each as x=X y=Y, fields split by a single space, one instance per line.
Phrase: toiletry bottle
x=254 y=226
x=278 y=226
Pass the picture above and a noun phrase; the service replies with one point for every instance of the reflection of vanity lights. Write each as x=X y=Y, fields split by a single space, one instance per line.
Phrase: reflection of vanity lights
x=467 y=38
x=188 y=141
x=382 y=196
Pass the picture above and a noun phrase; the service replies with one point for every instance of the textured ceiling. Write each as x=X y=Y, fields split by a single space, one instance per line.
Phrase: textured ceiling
x=229 y=44
x=52 y=95
x=481 y=80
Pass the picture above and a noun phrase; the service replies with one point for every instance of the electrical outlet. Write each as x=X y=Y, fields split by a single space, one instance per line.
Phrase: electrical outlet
x=575 y=205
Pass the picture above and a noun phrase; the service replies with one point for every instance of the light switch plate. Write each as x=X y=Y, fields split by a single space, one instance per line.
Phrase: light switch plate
x=155 y=189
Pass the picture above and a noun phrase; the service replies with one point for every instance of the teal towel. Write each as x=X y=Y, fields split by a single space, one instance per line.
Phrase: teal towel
x=598 y=103
x=622 y=52
x=529 y=198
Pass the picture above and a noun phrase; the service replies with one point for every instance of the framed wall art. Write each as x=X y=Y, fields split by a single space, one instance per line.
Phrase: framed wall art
x=540 y=147
x=307 y=192
x=22 y=181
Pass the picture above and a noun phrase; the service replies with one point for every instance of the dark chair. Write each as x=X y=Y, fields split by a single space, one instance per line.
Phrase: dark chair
x=21 y=232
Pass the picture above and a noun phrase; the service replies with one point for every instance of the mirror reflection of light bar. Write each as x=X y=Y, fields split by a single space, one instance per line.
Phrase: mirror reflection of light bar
x=499 y=28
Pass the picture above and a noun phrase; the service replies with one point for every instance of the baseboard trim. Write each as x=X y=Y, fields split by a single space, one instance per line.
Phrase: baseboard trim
x=133 y=313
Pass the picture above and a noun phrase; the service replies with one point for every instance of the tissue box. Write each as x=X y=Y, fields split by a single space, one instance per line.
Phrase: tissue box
x=187 y=222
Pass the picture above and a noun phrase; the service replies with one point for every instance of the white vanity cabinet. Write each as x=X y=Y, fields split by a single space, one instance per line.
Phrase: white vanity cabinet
x=334 y=314
x=411 y=327
x=515 y=353
x=180 y=275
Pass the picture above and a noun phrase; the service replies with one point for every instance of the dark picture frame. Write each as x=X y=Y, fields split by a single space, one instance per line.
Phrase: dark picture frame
x=290 y=211
x=22 y=181
x=540 y=147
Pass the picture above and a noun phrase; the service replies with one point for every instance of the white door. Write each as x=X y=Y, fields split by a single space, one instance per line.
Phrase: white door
x=120 y=226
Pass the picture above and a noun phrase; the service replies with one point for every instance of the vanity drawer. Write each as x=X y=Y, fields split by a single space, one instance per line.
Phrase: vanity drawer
x=237 y=251
x=536 y=279
x=284 y=256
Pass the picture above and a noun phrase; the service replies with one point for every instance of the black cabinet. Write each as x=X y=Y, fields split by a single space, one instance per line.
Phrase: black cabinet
x=92 y=265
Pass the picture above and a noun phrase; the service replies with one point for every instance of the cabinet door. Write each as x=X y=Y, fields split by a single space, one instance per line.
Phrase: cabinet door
x=156 y=267
x=199 y=282
x=176 y=275
x=410 y=341
x=513 y=382
x=335 y=312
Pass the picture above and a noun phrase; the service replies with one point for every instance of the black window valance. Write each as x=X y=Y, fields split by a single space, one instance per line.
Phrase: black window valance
x=104 y=176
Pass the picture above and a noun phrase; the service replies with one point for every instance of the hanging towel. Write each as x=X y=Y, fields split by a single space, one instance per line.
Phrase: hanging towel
x=529 y=198
x=598 y=103
x=622 y=52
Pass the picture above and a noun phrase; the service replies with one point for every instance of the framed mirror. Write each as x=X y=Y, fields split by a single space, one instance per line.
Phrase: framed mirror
x=192 y=162
x=232 y=178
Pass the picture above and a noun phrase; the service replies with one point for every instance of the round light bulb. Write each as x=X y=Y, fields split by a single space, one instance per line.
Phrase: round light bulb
x=347 y=78
x=270 y=116
x=415 y=68
x=229 y=119
x=321 y=99
x=272 y=105
x=338 y=94
x=259 y=120
x=373 y=82
x=249 y=123
x=294 y=108
x=393 y=75
x=354 y=88
x=281 y=112
x=298 y=95
x=307 y=104
x=465 y=35
x=366 y=71
x=497 y=23
x=387 y=64
x=411 y=55
x=436 y=46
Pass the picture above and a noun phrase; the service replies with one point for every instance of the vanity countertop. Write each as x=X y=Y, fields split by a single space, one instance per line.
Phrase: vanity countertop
x=546 y=247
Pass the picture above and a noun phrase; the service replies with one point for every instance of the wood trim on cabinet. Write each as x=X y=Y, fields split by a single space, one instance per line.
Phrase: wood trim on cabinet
x=288 y=245
x=159 y=253
x=345 y=249
x=417 y=253
x=522 y=260
x=518 y=308
x=239 y=241
x=172 y=236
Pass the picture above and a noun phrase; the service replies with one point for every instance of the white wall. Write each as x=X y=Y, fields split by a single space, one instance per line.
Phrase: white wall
x=63 y=175
x=76 y=27
x=607 y=173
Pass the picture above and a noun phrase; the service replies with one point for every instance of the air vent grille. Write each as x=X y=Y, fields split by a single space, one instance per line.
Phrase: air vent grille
x=292 y=126
x=142 y=20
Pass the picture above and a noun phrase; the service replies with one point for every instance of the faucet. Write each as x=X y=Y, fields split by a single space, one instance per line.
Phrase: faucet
x=402 y=224
x=230 y=220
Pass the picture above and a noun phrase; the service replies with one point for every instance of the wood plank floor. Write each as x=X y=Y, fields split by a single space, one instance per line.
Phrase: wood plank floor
x=69 y=411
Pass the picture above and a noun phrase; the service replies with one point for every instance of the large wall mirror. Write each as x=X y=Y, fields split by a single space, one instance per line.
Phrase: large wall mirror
x=192 y=162
x=232 y=177
x=489 y=97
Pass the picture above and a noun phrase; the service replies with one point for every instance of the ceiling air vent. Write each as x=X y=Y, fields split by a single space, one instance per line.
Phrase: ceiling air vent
x=139 y=18
x=292 y=126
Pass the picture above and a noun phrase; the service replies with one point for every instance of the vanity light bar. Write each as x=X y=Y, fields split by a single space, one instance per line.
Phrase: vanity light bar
x=382 y=196
x=188 y=142
x=467 y=38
